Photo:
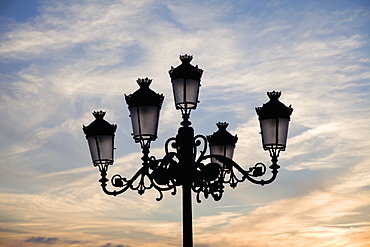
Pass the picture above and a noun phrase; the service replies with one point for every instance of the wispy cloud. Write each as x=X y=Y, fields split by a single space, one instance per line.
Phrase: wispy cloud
x=332 y=212
x=74 y=58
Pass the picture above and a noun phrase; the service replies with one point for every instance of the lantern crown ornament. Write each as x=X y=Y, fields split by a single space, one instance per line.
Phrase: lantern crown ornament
x=144 y=96
x=99 y=126
x=274 y=108
x=222 y=136
x=185 y=69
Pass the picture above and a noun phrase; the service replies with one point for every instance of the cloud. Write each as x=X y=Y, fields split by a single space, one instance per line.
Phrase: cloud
x=78 y=57
x=50 y=241
x=62 y=25
x=119 y=245
x=42 y=240
x=330 y=215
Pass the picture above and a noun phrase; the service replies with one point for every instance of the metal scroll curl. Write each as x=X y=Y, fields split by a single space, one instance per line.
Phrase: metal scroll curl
x=210 y=178
x=154 y=174
x=198 y=141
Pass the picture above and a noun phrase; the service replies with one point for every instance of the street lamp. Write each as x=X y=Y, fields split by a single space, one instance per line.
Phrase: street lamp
x=185 y=80
x=222 y=142
x=185 y=160
x=144 y=106
x=100 y=137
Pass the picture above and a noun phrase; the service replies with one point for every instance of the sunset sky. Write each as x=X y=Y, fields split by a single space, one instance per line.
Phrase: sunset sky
x=63 y=59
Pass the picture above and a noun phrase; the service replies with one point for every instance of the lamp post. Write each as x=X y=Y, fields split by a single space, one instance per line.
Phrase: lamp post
x=186 y=162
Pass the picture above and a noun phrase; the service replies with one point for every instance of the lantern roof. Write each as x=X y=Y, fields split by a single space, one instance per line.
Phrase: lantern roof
x=222 y=136
x=186 y=70
x=274 y=108
x=99 y=126
x=144 y=96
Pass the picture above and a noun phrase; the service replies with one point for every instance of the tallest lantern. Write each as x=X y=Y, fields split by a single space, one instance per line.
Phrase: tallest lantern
x=185 y=80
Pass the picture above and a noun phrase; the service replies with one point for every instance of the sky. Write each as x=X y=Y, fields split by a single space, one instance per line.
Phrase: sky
x=61 y=60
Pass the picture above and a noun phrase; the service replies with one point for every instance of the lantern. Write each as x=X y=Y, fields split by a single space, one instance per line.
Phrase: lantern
x=100 y=137
x=274 y=119
x=144 y=106
x=185 y=80
x=222 y=142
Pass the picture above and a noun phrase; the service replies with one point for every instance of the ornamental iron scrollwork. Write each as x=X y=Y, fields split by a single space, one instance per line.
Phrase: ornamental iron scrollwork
x=208 y=179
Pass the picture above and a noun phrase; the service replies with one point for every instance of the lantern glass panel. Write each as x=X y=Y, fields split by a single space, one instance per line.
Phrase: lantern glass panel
x=144 y=121
x=274 y=132
x=283 y=131
x=224 y=150
x=101 y=148
x=186 y=93
x=268 y=130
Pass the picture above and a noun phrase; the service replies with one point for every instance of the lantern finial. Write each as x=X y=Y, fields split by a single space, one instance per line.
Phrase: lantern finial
x=222 y=125
x=144 y=82
x=186 y=58
x=274 y=95
x=99 y=114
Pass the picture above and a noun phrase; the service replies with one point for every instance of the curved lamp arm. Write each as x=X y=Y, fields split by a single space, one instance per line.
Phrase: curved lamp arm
x=225 y=173
x=153 y=174
x=256 y=171
x=118 y=181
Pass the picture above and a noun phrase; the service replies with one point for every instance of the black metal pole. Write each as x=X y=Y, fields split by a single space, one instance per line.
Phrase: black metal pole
x=185 y=152
x=187 y=224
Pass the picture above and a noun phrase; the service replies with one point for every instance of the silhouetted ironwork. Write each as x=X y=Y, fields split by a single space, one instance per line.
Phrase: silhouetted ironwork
x=185 y=162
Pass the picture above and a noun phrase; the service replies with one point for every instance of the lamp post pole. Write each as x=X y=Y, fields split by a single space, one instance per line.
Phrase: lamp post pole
x=186 y=164
x=187 y=224
x=185 y=153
